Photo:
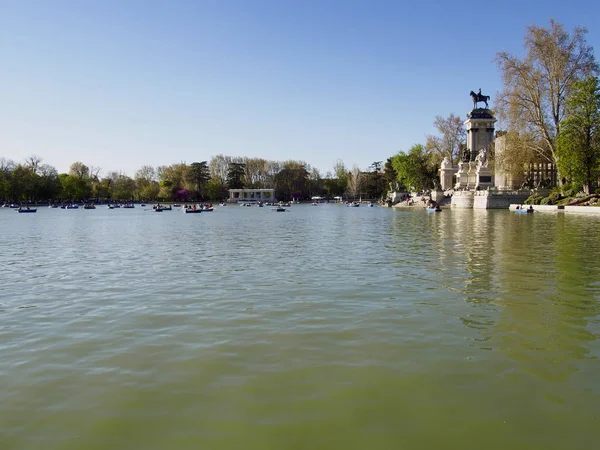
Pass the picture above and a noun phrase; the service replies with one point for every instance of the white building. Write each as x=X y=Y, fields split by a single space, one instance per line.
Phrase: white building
x=251 y=195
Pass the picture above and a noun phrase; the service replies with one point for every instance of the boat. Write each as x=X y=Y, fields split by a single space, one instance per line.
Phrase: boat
x=192 y=210
x=208 y=209
x=162 y=208
x=370 y=204
x=27 y=210
x=524 y=211
x=72 y=206
x=353 y=204
x=434 y=209
x=223 y=204
x=89 y=206
x=111 y=207
x=128 y=206
x=279 y=209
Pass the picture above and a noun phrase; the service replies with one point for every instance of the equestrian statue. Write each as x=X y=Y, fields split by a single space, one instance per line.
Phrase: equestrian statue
x=479 y=97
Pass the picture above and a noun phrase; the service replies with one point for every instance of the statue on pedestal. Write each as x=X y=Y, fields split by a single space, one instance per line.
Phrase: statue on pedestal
x=479 y=97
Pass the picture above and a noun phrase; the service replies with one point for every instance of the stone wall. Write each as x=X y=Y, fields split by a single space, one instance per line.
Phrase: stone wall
x=487 y=199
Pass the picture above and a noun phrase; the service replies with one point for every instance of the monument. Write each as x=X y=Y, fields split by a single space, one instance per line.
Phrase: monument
x=475 y=180
x=474 y=171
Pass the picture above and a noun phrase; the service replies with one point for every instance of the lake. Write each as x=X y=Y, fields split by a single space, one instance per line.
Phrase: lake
x=322 y=327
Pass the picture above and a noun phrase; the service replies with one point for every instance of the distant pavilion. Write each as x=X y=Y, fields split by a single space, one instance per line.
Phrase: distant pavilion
x=251 y=195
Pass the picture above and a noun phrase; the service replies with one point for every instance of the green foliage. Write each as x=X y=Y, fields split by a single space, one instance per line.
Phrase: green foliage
x=414 y=169
x=579 y=139
x=545 y=201
x=534 y=200
x=235 y=175
x=74 y=187
x=291 y=181
x=553 y=198
x=214 y=190
x=198 y=175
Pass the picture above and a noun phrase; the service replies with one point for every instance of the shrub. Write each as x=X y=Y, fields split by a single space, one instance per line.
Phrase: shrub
x=554 y=197
x=534 y=200
x=546 y=201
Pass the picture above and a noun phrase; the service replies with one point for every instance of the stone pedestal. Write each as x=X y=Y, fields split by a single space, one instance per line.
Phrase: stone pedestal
x=462 y=176
x=447 y=174
x=484 y=178
x=480 y=132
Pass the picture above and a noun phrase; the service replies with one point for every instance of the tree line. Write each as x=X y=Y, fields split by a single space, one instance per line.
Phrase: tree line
x=32 y=180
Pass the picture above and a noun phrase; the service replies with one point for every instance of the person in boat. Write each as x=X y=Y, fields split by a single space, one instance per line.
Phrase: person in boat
x=518 y=207
x=530 y=207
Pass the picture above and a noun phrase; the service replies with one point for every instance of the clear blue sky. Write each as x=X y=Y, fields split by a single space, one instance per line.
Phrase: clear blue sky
x=118 y=84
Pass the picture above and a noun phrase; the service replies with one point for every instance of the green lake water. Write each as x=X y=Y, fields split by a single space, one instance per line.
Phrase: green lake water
x=318 y=328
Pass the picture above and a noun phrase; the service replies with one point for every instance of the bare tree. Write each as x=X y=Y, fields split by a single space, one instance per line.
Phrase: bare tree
x=255 y=172
x=452 y=135
x=354 y=181
x=33 y=162
x=94 y=172
x=536 y=86
x=219 y=167
x=6 y=165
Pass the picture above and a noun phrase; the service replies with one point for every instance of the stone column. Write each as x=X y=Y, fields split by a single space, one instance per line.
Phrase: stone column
x=480 y=131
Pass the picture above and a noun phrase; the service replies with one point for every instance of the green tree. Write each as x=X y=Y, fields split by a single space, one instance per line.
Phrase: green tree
x=341 y=174
x=414 y=169
x=172 y=179
x=47 y=187
x=214 y=190
x=291 y=181
x=122 y=187
x=374 y=181
x=235 y=175
x=73 y=187
x=579 y=139
x=22 y=183
x=197 y=175
x=390 y=176
x=536 y=86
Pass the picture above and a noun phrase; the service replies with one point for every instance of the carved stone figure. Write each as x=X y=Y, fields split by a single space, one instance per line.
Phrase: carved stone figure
x=481 y=159
x=446 y=163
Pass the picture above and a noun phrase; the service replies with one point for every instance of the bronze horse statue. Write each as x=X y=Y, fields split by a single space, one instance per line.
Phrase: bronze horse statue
x=479 y=98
